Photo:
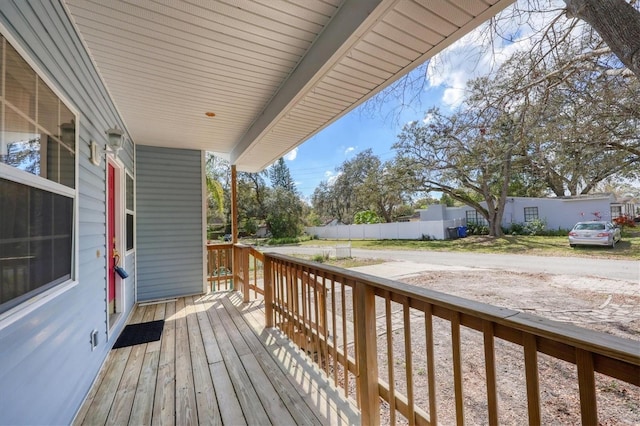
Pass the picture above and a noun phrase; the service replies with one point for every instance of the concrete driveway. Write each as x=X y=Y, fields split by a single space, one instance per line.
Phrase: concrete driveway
x=624 y=270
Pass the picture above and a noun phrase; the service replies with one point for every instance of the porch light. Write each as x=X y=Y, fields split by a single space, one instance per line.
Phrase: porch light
x=115 y=139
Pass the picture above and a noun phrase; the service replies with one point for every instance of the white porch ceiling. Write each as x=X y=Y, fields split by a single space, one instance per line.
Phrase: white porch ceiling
x=274 y=72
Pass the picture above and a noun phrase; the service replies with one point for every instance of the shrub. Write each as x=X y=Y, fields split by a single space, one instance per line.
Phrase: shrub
x=534 y=227
x=514 y=229
x=624 y=221
x=476 y=229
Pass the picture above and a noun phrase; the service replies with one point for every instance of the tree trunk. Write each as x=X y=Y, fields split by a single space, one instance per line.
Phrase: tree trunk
x=617 y=22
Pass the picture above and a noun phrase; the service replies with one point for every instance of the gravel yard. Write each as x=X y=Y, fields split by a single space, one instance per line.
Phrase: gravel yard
x=613 y=307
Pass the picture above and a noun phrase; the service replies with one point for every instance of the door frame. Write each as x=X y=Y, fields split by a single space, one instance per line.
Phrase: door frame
x=119 y=213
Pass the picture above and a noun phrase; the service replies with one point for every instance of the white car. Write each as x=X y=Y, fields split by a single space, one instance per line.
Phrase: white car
x=598 y=233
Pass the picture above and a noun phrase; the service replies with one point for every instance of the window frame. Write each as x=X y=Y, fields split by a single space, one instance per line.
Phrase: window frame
x=478 y=219
x=618 y=213
x=23 y=177
x=528 y=215
x=128 y=211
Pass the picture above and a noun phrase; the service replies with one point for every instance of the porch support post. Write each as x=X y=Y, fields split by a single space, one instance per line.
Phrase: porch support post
x=365 y=325
x=234 y=205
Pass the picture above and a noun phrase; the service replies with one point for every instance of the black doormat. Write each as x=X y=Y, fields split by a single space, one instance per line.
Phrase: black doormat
x=136 y=334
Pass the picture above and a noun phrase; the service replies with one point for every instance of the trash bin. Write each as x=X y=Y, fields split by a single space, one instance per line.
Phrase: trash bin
x=452 y=233
x=462 y=231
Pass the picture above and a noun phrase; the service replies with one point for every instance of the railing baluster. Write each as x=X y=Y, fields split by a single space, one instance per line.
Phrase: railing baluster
x=334 y=330
x=408 y=360
x=587 y=386
x=268 y=293
x=490 y=369
x=345 y=360
x=531 y=374
x=245 y=273
x=431 y=368
x=316 y=312
x=390 y=361
x=457 y=367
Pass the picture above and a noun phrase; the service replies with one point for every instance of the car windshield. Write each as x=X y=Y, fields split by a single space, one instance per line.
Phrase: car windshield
x=590 y=226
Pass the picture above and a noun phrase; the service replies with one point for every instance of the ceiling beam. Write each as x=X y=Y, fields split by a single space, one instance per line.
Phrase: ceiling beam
x=349 y=24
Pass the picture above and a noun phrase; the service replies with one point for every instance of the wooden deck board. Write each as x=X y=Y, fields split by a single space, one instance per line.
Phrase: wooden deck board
x=254 y=413
x=215 y=364
x=208 y=412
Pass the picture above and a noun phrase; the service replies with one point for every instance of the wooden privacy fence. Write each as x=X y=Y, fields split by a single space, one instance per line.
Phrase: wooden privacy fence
x=377 y=339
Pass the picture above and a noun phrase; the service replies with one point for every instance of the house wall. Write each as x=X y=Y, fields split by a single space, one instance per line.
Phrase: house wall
x=46 y=362
x=170 y=234
x=559 y=213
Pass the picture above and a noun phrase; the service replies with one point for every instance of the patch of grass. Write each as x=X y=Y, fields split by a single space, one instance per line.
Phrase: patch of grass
x=628 y=248
x=349 y=262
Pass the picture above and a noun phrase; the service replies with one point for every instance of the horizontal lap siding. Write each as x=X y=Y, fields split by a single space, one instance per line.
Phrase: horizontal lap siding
x=46 y=362
x=169 y=218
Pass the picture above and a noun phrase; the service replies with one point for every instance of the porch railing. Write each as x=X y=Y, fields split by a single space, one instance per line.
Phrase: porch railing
x=377 y=339
x=220 y=266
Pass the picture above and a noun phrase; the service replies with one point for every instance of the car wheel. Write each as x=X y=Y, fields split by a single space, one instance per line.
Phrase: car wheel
x=613 y=243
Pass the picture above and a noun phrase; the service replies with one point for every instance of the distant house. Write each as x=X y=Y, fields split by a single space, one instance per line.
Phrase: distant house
x=557 y=212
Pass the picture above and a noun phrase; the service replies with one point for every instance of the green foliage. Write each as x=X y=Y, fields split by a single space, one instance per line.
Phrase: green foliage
x=288 y=240
x=284 y=214
x=534 y=227
x=250 y=226
x=321 y=258
x=447 y=200
x=363 y=183
x=366 y=216
x=514 y=229
x=280 y=176
x=476 y=229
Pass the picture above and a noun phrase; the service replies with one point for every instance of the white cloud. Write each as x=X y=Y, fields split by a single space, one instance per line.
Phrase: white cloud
x=470 y=57
x=291 y=155
x=331 y=176
x=349 y=150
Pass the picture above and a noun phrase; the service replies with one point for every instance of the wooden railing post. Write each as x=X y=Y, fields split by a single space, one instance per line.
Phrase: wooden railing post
x=366 y=343
x=268 y=293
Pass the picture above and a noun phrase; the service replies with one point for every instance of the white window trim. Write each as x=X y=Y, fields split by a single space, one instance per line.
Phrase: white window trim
x=131 y=212
x=11 y=173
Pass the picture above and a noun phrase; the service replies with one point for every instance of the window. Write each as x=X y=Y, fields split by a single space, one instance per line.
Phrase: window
x=37 y=183
x=616 y=211
x=474 y=217
x=530 y=214
x=130 y=211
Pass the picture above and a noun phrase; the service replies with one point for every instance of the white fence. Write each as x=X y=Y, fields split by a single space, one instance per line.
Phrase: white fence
x=434 y=229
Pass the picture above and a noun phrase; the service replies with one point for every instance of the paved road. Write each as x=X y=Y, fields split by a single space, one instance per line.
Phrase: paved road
x=627 y=270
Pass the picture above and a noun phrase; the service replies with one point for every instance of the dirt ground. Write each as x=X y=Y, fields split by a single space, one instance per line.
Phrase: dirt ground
x=560 y=298
x=606 y=306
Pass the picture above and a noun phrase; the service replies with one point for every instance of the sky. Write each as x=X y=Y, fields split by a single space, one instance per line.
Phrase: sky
x=317 y=159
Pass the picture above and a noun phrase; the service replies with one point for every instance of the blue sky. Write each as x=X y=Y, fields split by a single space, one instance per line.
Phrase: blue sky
x=317 y=159
x=447 y=75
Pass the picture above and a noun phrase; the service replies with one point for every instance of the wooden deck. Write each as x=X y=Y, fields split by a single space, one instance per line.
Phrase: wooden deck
x=215 y=364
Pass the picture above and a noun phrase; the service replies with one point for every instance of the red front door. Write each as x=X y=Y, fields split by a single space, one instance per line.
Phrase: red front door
x=111 y=238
